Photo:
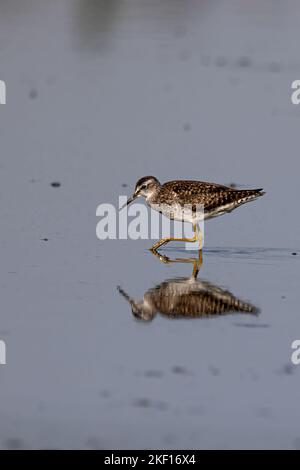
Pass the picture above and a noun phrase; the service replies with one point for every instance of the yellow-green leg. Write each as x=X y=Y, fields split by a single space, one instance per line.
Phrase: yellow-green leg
x=197 y=237
x=197 y=262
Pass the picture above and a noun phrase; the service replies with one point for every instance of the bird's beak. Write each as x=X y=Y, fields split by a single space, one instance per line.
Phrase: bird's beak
x=126 y=296
x=129 y=201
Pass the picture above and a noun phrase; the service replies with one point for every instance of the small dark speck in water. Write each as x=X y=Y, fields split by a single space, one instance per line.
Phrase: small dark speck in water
x=287 y=369
x=283 y=297
x=179 y=370
x=124 y=185
x=244 y=62
x=45 y=239
x=147 y=403
x=55 y=184
x=187 y=127
x=232 y=185
x=13 y=443
x=142 y=403
x=294 y=253
x=33 y=94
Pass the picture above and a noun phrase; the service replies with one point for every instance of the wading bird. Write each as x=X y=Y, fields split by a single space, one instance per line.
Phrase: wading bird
x=190 y=201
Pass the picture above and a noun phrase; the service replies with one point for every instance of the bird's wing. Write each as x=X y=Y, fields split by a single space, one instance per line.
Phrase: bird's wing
x=194 y=192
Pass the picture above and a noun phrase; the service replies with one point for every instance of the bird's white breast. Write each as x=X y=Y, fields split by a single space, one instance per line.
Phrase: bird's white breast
x=179 y=212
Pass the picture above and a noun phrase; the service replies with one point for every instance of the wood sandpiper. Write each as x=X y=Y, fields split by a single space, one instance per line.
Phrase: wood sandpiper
x=174 y=197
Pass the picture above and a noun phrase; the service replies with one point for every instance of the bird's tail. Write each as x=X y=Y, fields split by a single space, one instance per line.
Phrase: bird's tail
x=246 y=195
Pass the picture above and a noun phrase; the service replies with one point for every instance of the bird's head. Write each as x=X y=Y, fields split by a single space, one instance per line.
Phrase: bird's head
x=141 y=309
x=145 y=187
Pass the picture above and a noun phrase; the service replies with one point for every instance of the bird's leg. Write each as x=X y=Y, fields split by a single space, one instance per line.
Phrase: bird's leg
x=163 y=258
x=164 y=241
x=197 y=265
x=197 y=262
x=199 y=237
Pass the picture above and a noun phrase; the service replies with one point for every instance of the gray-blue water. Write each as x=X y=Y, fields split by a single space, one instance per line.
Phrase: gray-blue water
x=100 y=93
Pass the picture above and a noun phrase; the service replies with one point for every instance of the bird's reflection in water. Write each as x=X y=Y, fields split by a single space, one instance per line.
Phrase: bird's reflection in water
x=186 y=297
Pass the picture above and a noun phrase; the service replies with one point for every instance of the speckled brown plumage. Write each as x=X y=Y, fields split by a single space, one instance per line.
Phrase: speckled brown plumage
x=187 y=298
x=212 y=196
x=192 y=298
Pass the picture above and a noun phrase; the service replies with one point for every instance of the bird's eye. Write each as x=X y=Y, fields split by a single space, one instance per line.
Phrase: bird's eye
x=143 y=186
